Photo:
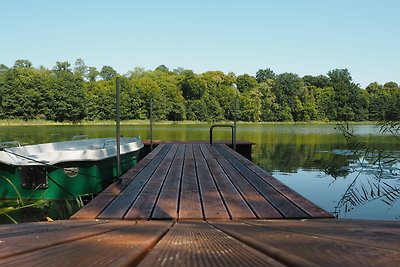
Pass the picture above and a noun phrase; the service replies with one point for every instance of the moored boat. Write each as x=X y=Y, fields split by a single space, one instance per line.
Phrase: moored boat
x=63 y=170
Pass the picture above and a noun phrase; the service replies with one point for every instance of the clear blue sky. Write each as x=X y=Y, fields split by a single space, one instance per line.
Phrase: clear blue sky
x=299 y=36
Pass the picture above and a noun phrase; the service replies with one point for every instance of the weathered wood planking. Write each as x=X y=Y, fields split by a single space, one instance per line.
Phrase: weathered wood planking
x=197 y=243
x=94 y=208
x=196 y=182
x=190 y=206
x=292 y=243
x=257 y=202
x=167 y=203
x=144 y=204
x=213 y=205
x=313 y=242
x=120 y=205
x=235 y=203
x=119 y=243
x=306 y=205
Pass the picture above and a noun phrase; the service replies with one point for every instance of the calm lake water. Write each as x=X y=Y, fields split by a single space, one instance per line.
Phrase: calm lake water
x=314 y=160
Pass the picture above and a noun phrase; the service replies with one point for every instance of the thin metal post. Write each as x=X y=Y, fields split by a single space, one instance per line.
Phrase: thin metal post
x=234 y=124
x=118 y=130
x=151 y=124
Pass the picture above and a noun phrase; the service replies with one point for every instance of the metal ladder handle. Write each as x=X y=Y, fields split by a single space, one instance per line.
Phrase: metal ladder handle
x=221 y=125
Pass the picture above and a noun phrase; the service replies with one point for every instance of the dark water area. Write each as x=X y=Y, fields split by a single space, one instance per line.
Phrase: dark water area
x=312 y=159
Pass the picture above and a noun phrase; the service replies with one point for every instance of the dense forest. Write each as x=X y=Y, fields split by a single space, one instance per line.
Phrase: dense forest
x=79 y=92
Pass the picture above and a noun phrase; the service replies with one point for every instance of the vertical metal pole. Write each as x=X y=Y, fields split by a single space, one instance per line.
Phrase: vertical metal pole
x=234 y=124
x=118 y=130
x=151 y=124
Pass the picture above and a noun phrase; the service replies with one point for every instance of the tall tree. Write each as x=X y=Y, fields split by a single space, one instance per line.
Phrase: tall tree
x=349 y=102
x=162 y=68
x=92 y=74
x=263 y=75
x=108 y=73
x=80 y=68
x=23 y=93
x=287 y=88
x=67 y=95
x=246 y=82
x=22 y=63
x=62 y=66
x=193 y=86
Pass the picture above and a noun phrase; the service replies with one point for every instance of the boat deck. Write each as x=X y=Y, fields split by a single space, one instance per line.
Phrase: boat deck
x=200 y=205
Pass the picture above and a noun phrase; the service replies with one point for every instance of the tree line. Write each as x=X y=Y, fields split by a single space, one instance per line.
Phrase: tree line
x=76 y=93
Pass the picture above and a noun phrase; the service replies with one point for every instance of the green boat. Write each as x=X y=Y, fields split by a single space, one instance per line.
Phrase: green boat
x=63 y=170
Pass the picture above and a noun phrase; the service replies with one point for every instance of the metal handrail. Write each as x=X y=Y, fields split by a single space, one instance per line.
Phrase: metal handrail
x=222 y=125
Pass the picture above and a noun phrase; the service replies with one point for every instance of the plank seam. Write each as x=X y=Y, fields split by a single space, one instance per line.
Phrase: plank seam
x=231 y=159
x=147 y=181
x=325 y=237
x=150 y=157
x=150 y=247
x=212 y=151
x=57 y=243
x=198 y=183
x=163 y=183
x=215 y=183
x=180 y=184
x=154 y=160
x=275 y=253
x=235 y=155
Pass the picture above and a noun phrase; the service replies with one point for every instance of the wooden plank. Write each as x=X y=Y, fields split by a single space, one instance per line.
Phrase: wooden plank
x=259 y=204
x=121 y=247
x=373 y=233
x=199 y=244
x=167 y=203
x=157 y=142
x=12 y=230
x=190 y=204
x=310 y=208
x=119 y=206
x=144 y=204
x=237 y=206
x=317 y=250
x=48 y=236
x=213 y=205
x=286 y=207
x=96 y=206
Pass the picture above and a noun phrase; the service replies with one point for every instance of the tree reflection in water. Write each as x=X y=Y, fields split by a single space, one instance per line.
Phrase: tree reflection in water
x=377 y=169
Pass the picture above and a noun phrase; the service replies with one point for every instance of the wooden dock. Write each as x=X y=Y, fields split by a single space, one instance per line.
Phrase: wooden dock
x=200 y=205
x=198 y=182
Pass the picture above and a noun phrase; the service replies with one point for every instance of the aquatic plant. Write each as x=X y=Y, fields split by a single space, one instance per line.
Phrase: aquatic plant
x=24 y=210
x=377 y=170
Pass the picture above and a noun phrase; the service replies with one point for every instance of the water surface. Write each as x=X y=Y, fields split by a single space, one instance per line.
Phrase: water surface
x=314 y=160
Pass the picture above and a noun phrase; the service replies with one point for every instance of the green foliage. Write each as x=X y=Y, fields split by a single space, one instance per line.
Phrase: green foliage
x=67 y=95
x=287 y=88
x=108 y=73
x=264 y=75
x=193 y=87
x=246 y=83
x=75 y=94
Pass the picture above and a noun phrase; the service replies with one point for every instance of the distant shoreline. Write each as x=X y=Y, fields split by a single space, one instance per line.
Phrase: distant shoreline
x=141 y=122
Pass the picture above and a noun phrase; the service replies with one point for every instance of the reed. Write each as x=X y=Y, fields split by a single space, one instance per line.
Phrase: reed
x=22 y=210
x=381 y=166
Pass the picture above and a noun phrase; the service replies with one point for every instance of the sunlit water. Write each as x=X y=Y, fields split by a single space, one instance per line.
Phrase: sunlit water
x=314 y=160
